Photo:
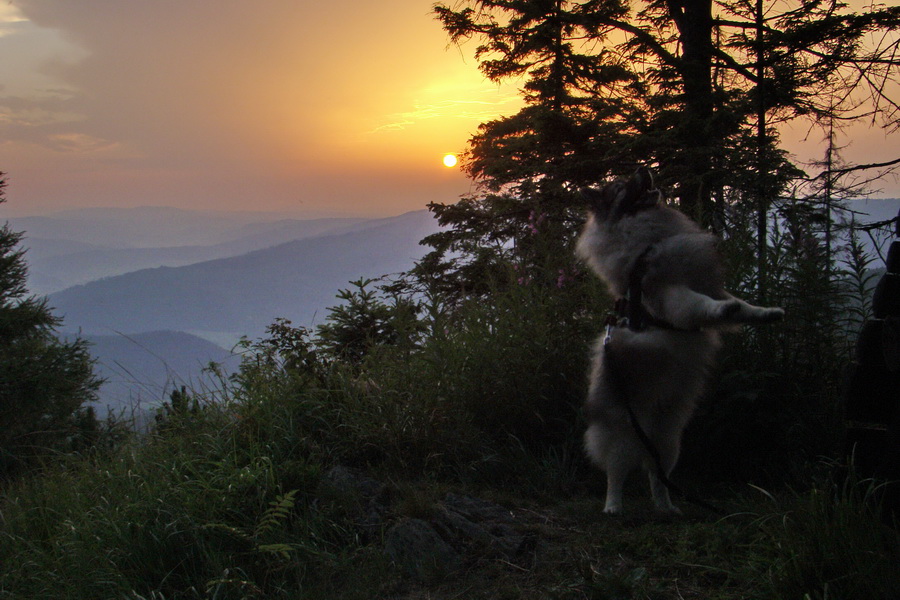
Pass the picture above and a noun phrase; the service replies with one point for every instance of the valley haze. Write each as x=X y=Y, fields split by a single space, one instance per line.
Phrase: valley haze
x=162 y=292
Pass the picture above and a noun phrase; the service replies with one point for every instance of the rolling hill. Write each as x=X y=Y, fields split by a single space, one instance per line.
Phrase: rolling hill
x=241 y=295
x=56 y=263
x=140 y=370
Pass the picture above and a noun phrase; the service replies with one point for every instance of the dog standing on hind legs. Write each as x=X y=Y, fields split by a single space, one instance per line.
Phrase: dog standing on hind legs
x=668 y=270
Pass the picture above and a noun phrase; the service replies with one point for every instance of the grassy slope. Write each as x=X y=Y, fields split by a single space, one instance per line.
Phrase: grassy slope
x=228 y=502
x=229 y=505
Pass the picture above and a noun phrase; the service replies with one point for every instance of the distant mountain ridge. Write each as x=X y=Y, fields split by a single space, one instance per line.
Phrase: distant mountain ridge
x=75 y=247
x=243 y=294
x=146 y=226
x=58 y=264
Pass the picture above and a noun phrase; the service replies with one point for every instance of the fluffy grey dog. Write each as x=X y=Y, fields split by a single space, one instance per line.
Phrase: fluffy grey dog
x=670 y=269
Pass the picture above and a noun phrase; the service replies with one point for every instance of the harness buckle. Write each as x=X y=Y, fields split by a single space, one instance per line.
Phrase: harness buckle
x=611 y=321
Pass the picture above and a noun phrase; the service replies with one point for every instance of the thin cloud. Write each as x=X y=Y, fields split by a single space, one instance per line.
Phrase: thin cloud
x=10 y=19
x=79 y=142
x=468 y=110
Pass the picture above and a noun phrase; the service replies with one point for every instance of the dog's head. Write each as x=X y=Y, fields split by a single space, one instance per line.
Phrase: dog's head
x=623 y=198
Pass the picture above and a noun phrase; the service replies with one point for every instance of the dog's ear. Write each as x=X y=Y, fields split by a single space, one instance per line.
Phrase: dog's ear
x=643 y=179
x=639 y=184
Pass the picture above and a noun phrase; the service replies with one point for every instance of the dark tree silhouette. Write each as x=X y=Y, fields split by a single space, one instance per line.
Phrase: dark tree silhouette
x=45 y=382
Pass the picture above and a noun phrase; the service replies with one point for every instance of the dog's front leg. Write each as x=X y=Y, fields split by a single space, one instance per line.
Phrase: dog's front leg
x=686 y=309
x=744 y=312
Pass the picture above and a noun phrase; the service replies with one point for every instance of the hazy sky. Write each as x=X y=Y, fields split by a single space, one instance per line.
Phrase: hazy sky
x=339 y=106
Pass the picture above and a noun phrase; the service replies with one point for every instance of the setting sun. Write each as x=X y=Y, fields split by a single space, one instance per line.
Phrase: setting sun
x=449 y=160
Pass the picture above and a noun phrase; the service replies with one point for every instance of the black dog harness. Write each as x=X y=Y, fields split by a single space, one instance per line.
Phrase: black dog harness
x=630 y=309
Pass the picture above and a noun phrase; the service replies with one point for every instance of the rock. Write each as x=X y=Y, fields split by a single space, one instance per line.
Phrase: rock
x=461 y=529
x=476 y=509
x=417 y=549
x=363 y=497
x=486 y=526
x=350 y=481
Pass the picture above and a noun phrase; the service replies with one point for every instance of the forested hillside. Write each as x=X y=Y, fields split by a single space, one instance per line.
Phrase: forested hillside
x=243 y=294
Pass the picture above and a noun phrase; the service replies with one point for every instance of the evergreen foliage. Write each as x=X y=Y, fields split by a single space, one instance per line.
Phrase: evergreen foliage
x=45 y=383
x=364 y=322
x=693 y=87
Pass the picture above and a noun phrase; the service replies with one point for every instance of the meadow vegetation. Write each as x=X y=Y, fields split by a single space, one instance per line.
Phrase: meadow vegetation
x=225 y=497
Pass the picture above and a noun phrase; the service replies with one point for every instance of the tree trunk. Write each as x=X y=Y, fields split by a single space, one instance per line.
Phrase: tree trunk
x=695 y=25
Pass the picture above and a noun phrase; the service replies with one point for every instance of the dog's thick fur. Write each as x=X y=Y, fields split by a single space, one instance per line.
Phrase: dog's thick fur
x=659 y=371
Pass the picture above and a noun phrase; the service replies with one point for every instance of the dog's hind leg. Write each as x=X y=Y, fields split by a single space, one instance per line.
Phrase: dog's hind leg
x=616 y=472
x=668 y=447
x=609 y=457
x=661 y=498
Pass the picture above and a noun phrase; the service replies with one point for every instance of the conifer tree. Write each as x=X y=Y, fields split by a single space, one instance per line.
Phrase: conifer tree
x=696 y=87
x=45 y=382
x=530 y=165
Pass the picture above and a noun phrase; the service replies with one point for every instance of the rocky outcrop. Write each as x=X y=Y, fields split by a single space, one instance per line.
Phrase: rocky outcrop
x=366 y=500
x=458 y=531
x=462 y=529
x=419 y=550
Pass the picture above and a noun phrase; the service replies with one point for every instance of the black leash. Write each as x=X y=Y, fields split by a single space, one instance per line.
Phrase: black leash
x=631 y=306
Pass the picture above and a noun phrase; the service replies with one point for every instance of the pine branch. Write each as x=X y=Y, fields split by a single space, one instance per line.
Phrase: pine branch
x=854 y=168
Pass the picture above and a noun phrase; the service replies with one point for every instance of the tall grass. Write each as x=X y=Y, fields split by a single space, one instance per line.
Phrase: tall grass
x=829 y=543
x=197 y=511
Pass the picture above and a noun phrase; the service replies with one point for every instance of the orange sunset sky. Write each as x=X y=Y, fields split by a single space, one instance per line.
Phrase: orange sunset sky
x=337 y=107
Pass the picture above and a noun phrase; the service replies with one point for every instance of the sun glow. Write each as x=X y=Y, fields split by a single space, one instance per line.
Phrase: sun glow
x=450 y=160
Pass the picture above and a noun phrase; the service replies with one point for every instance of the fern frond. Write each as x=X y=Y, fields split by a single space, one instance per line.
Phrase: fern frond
x=283 y=551
x=278 y=512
